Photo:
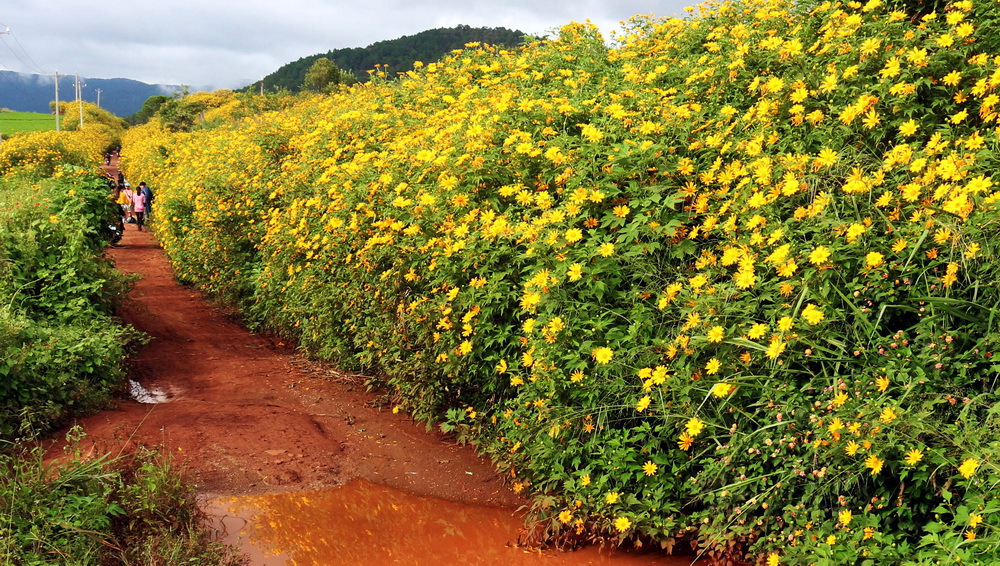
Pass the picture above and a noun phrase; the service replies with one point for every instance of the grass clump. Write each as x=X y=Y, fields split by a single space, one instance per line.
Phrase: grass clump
x=132 y=510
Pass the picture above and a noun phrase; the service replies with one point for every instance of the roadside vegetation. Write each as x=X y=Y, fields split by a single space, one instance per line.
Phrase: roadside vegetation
x=130 y=510
x=62 y=354
x=729 y=283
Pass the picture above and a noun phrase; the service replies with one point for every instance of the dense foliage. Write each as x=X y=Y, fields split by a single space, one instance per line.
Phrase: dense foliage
x=91 y=511
x=62 y=354
x=730 y=282
x=395 y=55
x=60 y=350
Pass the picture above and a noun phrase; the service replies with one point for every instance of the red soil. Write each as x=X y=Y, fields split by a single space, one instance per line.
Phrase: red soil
x=247 y=415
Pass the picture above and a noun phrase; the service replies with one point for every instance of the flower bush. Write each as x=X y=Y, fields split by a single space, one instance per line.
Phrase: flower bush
x=61 y=352
x=43 y=154
x=727 y=283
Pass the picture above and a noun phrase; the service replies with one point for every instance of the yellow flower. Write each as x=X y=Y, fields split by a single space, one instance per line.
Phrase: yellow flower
x=694 y=426
x=775 y=348
x=698 y=281
x=716 y=334
x=773 y=559
x=913 y=456
x=836 y=426
x=722 y=389
x=908 y=128
x=845 y=517
x=874 y=463
x=975 y=519
x=464 y=348
x=623 y=524
x=968 y=468
x=603 y=355
x=970 y=535
x=565 y=516
x=839 y=399
x=820 y=255
x=577 y=376
x=882 y=382
x=530 y=300
x=612 y=497
x=826 y=158
x=574 y=235
x=812 y=314
x=888 y=415
x=831 y=540
x=757 y=331
x=854 y=231
x=785 y=323
x=643 y=403
x=574 y=272
x=685 y=441
x=874 y=259
x=852 y=448
x=713 y=366
x=606 y=249
x=649 y=468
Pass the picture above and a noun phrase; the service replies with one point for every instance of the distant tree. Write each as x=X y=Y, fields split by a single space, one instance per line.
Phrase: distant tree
x=324 y=75
x=148 y=110
x=178 y=115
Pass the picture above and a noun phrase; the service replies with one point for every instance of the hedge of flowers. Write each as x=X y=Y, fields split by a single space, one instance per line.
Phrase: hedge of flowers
x=729 y=283
x=43 y=154
x=61 y=350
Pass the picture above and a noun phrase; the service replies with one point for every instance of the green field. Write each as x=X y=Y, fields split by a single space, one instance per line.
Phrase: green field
x=14 y=122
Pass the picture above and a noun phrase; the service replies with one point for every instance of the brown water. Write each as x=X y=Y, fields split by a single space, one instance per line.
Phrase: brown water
x=373 y=525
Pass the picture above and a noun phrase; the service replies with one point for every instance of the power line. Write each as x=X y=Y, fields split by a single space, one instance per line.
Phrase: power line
x=30 y=63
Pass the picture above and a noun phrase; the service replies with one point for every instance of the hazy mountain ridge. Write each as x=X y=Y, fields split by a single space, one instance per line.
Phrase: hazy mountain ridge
x=26 y=92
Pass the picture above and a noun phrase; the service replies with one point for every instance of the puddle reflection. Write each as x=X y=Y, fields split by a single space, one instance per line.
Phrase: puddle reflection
x=365 y=523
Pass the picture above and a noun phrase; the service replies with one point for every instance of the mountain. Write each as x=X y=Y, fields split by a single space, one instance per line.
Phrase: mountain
x=399 y=54
x=32 y=93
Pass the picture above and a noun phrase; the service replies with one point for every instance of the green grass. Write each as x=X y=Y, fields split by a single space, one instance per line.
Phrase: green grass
x=14 y=122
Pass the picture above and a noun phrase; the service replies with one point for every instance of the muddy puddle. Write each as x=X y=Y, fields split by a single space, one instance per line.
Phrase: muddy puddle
x=373 y=525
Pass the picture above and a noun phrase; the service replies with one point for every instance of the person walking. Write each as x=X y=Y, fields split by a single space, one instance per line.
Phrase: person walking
x=139 y=208
x=130 y=207
x=125 y=201
x=148 y=193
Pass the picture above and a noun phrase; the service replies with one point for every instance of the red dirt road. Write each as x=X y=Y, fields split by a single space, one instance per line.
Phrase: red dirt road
x=246 y=415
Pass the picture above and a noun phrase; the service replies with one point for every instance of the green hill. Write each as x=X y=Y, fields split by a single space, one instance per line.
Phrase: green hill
x=399 y=54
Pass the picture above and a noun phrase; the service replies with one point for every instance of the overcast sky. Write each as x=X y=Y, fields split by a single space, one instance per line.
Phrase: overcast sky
x=210 y=44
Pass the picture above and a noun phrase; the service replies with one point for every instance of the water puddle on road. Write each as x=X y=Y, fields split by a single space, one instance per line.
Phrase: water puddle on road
x=146 y=396
x=370 y=524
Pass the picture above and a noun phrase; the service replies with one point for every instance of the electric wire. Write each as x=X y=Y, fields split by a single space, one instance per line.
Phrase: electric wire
x=26 y=60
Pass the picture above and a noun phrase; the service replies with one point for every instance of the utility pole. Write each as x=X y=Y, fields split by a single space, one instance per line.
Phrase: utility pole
x=4 y=32
x=57 y=101
x=98 y=98
x=262 y=85
x=79 y=98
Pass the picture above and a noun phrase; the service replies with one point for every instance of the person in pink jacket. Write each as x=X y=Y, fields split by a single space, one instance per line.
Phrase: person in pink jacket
x=139 y=207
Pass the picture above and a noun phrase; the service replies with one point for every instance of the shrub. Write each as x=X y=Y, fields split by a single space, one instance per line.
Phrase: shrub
x=726 y=283
x=61 y=350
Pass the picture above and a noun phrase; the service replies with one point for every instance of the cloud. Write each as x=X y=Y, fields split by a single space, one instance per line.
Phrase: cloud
x=229 y=43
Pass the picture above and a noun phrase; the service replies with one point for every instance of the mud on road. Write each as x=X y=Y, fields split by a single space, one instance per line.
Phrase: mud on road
x=245 y=415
